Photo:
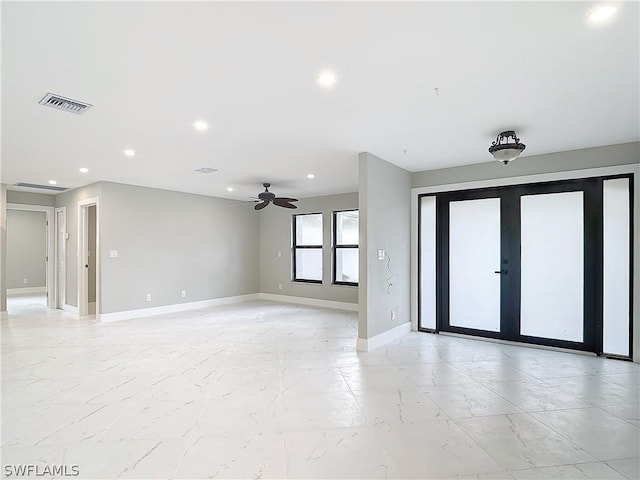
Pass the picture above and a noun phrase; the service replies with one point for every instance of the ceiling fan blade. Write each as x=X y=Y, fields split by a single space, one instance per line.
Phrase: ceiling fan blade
x=260 y=206
x=286 y=199
x=282 y=202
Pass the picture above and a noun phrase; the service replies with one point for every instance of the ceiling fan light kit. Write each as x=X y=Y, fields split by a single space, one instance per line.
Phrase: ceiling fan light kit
x=504 y=150
x=267 y=197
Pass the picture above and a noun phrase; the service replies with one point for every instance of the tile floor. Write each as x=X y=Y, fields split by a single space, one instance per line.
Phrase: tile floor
x=267 y=390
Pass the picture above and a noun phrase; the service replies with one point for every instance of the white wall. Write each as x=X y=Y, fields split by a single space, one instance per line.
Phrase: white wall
x=170 y=241
x=26 y=249
x=385 y=223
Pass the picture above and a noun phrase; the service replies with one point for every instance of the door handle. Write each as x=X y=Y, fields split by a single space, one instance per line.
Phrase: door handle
x=502 y=272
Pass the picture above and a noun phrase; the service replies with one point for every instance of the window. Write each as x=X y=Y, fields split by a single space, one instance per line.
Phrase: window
x=307 y=248
x=345 y=247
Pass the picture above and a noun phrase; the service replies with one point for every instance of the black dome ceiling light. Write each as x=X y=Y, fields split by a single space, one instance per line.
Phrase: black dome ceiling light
x=506 y=151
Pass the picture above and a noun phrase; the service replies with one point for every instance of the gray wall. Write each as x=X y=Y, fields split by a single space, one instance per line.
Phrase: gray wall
x=385 y=223
x=70 y=201
x=3 y=248
x=27 y=198
x=26 y=249
x=610 y=155
x=170 y=241
x=275 y=236
x=91 y=217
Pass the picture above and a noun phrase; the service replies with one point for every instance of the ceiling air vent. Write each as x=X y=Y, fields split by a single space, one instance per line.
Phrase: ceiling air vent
x=65 y=104
x=42 y=187
x=206 y=170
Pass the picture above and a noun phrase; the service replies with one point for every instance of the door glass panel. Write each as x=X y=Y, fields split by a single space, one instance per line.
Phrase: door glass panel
x=552 y=266
x=616 y=266
x=474 y=256
x=428 y=262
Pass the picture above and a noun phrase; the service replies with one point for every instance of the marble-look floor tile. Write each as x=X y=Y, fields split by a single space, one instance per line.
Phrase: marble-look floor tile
x=628 y=467
x=359 y=378
x=336 y=453
x=435 y=374
x=159 y=419
x=315 y=410
x=324 y=379
x=536 y=397
x=468 y=400
x=628 y=413
x=519 y=442
x=596 y=390
x=234 y=455
x=596 y=431
x=435 y=449
x=269 y=390
x=397 y=405
x=593 y=470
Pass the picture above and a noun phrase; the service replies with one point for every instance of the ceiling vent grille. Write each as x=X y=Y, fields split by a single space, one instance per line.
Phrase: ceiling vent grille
x=65 y=104
x=206 y=170
x=42 y=187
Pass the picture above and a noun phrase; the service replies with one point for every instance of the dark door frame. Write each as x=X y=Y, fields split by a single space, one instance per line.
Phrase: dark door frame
x=510 y=250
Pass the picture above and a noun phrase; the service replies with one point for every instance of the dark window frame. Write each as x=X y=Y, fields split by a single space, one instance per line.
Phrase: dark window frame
x=295 y=247
x=335 y=247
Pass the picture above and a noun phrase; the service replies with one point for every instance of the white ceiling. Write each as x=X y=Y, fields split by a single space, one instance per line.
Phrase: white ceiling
x=249 y=69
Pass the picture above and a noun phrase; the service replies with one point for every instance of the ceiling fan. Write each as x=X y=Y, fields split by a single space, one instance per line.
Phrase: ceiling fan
x=267 y=197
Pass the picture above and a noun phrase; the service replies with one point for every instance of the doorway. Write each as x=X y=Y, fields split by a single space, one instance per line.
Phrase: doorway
x=527 y=263
x=88 y=255
x=30 y=252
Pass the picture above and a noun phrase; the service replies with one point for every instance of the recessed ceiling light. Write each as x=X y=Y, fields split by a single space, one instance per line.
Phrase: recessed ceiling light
x=84 y=170
x=602 y=14
x=200 y=125
x=311 y=175
x=229 y=189
x=52 y=182
x=129 y=153
x=327 y=79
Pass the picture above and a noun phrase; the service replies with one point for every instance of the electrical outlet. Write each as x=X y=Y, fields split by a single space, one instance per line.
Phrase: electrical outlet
x=279 y=254
x=183 y=294
x=148 y=297
x=393 y=314
x=381 y=254
x=25 y=280
x=279 y=286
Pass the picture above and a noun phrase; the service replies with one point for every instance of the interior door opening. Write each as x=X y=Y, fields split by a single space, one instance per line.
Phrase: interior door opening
x=88 y=258
x=30 y=269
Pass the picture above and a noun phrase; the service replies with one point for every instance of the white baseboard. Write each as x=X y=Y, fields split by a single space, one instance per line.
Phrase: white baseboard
x=315 y=302
x=4 y=315
x=70 y=309
x=26 y=290
x=368 y=344
x=176 y=307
